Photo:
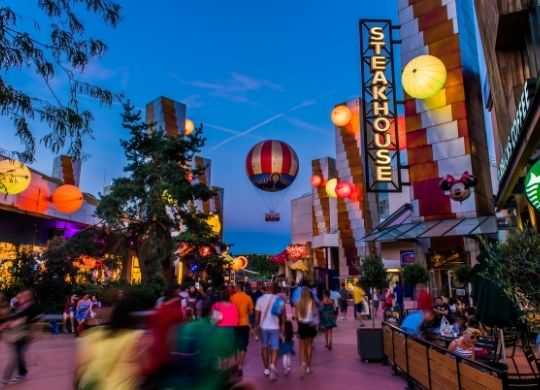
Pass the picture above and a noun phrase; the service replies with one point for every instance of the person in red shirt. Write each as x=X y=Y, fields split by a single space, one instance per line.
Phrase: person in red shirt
x=160 y=325
x=424 y=299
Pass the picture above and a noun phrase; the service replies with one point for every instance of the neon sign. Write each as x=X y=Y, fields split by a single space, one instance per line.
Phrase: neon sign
x=381 y=148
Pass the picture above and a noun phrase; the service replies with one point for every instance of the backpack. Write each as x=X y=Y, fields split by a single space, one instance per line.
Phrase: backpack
x=277 y=307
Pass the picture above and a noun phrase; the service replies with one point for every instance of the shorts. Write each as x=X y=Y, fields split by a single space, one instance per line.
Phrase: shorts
x=270 y=338
x=242 y=337
x=359 y=307
x=306 y=331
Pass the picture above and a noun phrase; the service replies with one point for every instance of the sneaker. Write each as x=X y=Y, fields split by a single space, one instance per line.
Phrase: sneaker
x=266 y=372
x=308 y=370
x=15 y=380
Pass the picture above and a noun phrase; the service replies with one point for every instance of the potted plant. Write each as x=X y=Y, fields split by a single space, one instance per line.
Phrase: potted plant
x=370 y=340
x=414 y=274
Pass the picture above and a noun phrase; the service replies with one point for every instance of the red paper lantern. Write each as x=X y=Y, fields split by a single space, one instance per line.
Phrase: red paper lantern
x=316 y=181
x=204 y=251
x=67 y=199
x=343 y=190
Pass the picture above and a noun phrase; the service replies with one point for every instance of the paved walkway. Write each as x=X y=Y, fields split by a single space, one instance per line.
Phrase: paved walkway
x=51 y=366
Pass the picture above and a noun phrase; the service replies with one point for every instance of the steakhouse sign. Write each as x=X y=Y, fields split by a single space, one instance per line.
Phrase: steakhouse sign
x=380 y=134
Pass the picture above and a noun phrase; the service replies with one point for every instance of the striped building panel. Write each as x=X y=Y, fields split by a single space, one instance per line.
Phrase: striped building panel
x=438 y=133
x=167 y=115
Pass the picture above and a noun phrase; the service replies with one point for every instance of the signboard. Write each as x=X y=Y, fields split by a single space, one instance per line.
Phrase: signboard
x=407 y=257
x=379 y=114
x=518 y=125
x=532 y=185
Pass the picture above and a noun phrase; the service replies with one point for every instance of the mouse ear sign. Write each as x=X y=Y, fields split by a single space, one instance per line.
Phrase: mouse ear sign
x=446 y=183
x=468 y=179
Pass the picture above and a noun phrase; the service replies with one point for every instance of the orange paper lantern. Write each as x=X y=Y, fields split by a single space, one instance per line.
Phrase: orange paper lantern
x=316 y=181
x=67 y=199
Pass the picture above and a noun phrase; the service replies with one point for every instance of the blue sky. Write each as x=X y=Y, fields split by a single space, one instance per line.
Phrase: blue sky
x=276 y=67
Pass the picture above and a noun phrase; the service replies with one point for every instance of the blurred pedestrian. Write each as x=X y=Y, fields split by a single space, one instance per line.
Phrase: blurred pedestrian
x=359 y=295
x=269 y=325
x=204 y=356
x=160 y=326
x=307 y=317
x=109 y=357
x=244 y=305
x=17 y=332
x=328 y=318
x=343 y=301
x=224 y=313
x=286 y=347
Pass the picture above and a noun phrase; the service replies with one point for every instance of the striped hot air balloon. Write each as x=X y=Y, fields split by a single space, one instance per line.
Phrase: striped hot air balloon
x=272 y=165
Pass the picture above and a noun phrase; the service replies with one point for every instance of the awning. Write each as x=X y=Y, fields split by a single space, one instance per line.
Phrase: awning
x=430 y=229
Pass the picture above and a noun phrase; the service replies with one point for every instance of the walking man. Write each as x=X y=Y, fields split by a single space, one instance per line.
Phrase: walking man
x=269 y=325
x=358 y=297
x=244 y=305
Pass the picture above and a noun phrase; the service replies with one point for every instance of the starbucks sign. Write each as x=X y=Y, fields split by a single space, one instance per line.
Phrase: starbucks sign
x=532 y=185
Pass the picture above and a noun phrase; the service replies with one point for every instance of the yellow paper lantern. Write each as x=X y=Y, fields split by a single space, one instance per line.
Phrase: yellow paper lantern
x=341 y=116
x=331 y=188
x=423 y=76
x=189 y=127
x=240 y=263
x=214 y=222
x=15 y=177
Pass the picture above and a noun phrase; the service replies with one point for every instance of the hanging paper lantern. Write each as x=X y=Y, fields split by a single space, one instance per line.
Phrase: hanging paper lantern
x=331 y=188
x=239 y=263
x=189 y=127
x=204 y=251
x=15 y=177
x=316 y=181
x=35 y=199
x=214 y=223
x=341 y=116
x=67 y=199
x=423 y=76
x=343 y=189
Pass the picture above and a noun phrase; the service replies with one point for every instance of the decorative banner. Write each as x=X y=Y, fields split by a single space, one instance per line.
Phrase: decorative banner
x=297 y=252
x=380 y=133
x=532 y=185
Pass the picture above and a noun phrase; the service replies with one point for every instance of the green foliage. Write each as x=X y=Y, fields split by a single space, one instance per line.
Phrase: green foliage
x=55 y=51
x=463 y=274
x=153 y=206
x=414 y=274
x=373 y=273
x=514 y=265
x=262 y=265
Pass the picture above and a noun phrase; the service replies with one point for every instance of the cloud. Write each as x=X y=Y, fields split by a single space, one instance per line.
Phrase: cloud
x=230 y=131
x=265 y=122
x=193 y=101
x=236 y=88
x=307 y=126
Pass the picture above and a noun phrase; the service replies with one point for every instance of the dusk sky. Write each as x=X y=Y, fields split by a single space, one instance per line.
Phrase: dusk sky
x=269 y=70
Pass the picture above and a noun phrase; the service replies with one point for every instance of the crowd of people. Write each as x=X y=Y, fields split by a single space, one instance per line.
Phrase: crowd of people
x=198 y=337
x=450 y=322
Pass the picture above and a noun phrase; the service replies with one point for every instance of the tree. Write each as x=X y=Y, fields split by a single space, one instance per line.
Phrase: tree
x=414 y=274
x=373 y=276
x=59 y=48
x=262 y=265
x=154 y=205
x=514 y=266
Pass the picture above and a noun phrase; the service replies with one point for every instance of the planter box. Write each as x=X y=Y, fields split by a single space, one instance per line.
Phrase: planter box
x=369 y=342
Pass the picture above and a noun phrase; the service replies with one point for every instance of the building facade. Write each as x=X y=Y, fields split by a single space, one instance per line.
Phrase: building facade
x=510 y=32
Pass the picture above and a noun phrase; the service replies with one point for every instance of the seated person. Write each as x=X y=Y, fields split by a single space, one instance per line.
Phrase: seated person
x=440 y=307
x=429 y=325
x=464 y=345
x=459 y=325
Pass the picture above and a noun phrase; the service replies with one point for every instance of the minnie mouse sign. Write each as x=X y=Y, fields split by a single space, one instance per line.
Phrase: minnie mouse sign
x=458 y=189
